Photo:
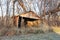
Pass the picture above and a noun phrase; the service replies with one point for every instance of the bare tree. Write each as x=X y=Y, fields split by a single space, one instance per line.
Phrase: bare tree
x=7 y=13
x=13 y=9
x=22 y=5
x=1 y=12
x=1 y=9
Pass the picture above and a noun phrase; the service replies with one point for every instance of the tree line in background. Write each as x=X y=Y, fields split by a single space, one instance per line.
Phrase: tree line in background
x=20 y=6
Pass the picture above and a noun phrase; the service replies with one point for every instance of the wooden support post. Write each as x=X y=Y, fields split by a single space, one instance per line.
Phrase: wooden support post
x=20 y=22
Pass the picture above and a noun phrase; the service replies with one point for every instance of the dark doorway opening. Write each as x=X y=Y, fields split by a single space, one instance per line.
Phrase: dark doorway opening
x=25 y=21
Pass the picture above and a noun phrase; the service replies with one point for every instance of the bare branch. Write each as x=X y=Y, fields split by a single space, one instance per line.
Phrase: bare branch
x=22 y=5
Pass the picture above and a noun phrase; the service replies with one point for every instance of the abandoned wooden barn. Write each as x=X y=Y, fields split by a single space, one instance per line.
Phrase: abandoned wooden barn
x=27 y=19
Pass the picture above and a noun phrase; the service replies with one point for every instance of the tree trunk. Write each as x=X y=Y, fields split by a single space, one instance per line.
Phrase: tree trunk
x=22 y=5
x=7 y=14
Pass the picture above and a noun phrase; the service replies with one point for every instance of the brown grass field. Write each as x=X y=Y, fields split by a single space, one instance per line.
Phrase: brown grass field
x=9 y=29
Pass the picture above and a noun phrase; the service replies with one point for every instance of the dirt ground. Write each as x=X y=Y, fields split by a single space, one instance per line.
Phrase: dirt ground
x=44 y=36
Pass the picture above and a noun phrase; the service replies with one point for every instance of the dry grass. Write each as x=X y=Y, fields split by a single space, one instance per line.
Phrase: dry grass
x=34 y=27
x=56 y=29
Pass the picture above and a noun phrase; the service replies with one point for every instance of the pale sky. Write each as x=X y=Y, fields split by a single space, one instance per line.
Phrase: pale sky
x=3 y=6
x=4 y=2
x=33 y=6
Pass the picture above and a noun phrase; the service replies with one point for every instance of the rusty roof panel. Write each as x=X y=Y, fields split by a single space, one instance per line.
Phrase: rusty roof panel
x=30 y=14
